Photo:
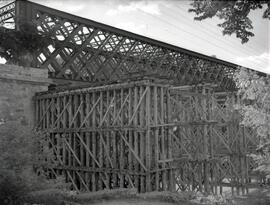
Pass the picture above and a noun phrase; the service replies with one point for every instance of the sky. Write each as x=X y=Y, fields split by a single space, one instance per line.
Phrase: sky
x=169 y=21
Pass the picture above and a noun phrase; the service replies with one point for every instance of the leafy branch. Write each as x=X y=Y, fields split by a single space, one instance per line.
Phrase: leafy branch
x=233 y=13
x=19 y=46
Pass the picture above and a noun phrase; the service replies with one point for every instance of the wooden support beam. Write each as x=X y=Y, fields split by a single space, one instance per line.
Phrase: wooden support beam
x=156 y=142
x=135 y=135
x=136 y=139
x=132 y=151
x=129 y=132
x=147 y=143
x=142 y=141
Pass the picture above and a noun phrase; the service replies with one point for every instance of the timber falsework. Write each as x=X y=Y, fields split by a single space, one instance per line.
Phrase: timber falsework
x=147 y=135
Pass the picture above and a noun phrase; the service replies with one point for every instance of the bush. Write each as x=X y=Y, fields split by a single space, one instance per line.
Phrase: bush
x=20 y=153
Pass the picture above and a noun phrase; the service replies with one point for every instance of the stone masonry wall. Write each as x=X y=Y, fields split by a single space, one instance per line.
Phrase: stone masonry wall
x=18 y=86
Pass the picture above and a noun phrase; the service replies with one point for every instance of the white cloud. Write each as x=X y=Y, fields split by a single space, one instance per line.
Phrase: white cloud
x=66 y=7
x=130 y=26
x=258 y=62
x=145 y=6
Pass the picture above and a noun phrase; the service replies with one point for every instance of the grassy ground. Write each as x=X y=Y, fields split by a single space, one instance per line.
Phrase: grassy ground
x=110 y=197
x=256 y=197
x=133 y=202
x=131 y=197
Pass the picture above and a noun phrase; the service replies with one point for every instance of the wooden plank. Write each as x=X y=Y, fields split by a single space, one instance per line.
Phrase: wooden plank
x=136 y=148
x=205 y=144
x=76 y=161
x=82 y=160
x=142 y=142
x=121 y=160
x=114 y=142
x=129 y=133
x=75 y=119
x=82 y=181
x=92 y=111
x=100 y=146
x=65 y=106
x=107 y=135
x=58 y=112
x=87 y=134
x=147 y=144
x=170 y=143
x=132 y=151
x=82 y=150
x=68 y=151
x=106 y=150
x=138 y=105
x=123 y=102
x=87 y=110
x=70 y=113
x=88 y=150
x=87 y=160
x=88 y=147
x=109 y=107
x=81 y=109
x=156 y=143
x=163 y=155
x=72 y=149
x=94 y=141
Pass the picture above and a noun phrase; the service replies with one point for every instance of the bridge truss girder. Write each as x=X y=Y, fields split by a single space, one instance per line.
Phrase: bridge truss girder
x=85 y=50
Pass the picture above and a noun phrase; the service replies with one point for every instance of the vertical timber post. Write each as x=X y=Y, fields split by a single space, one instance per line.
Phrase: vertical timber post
x=148 y=135
x=170 y=146
x=205 y=142
x=156 y=147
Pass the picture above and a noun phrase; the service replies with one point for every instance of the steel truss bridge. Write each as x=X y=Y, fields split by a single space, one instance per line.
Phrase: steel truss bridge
x=93 y=52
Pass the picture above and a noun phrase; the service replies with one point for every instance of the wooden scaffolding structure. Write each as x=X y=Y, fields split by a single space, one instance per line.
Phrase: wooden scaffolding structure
x=147 y=135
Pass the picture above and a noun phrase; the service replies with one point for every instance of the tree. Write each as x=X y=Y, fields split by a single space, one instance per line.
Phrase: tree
x=234 y=13
x=19 y=46
x=255 y=110
x=23 y=156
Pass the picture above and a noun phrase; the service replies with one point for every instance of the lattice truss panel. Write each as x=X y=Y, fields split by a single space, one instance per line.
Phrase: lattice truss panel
x=88 y=51
x=110 y=136
x=7 y=14
x=210 y=147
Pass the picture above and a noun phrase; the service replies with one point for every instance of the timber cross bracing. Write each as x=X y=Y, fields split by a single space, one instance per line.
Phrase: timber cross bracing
x=94 y=52
x=146 y=135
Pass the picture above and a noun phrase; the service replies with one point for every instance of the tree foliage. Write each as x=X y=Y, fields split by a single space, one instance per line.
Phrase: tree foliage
x=255 y=109
x=233 y=13
x=19 y=46
x=23 y=157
